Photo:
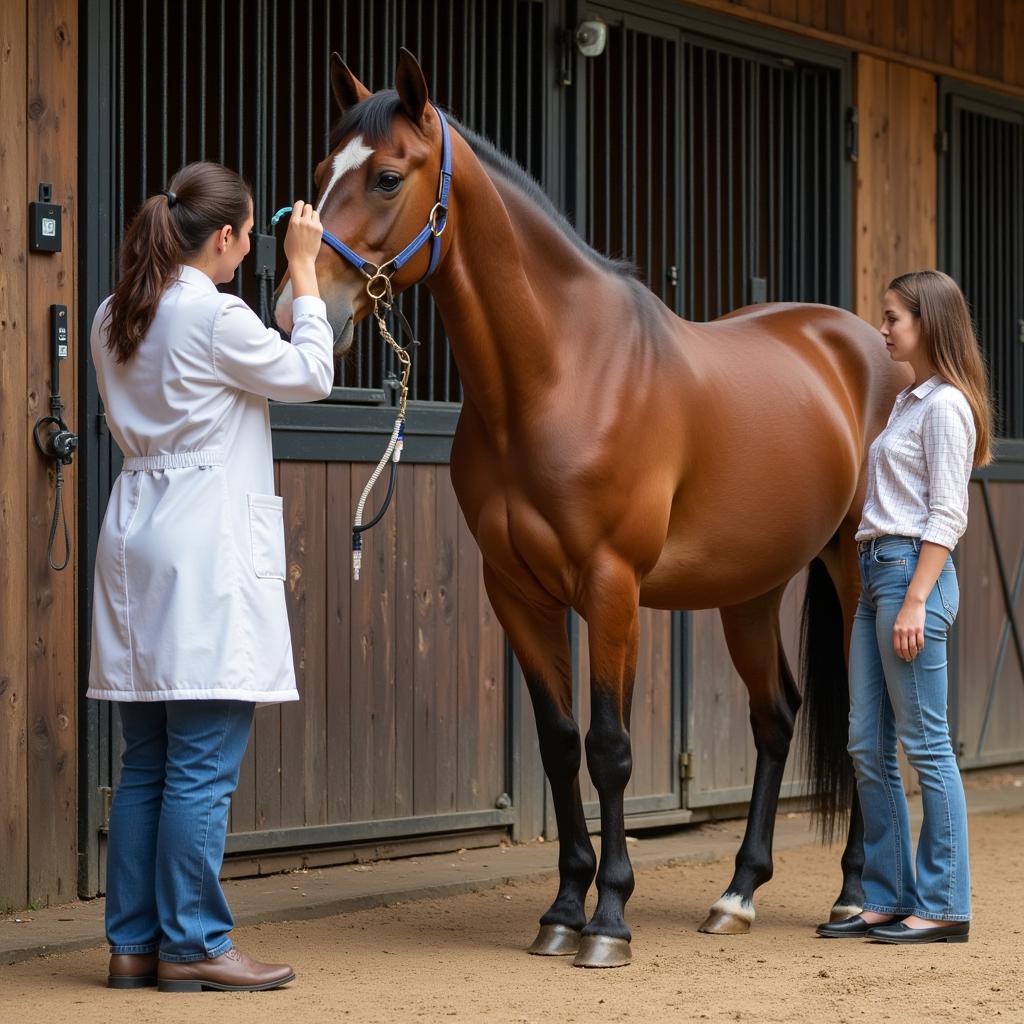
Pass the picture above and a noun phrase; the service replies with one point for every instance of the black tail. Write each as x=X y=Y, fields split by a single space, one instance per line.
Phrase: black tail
x=825 y=727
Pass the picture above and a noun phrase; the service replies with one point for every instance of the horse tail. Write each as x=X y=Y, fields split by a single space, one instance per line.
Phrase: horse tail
x=826 y=697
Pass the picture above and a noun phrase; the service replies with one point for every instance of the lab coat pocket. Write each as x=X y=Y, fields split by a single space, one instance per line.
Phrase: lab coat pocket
x=266 y=532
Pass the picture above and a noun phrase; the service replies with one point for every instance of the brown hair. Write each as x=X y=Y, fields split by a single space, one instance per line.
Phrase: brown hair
x=164 y=232
x=947 y=333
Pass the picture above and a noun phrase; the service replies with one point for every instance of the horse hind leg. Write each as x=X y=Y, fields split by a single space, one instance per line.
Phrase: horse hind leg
x=755 y=645
x=840 y=560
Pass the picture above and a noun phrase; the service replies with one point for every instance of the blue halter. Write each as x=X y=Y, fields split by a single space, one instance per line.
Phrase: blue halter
x=432 y=231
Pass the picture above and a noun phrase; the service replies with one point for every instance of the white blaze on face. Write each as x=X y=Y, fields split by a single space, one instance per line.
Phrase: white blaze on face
x=354 y=155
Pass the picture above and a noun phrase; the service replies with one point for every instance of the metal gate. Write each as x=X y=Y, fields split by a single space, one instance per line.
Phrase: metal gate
x=719 y=163
x=982 y=247
x=246 y=83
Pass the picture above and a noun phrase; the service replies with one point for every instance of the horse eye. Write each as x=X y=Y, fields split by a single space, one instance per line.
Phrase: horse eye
x=389 y=182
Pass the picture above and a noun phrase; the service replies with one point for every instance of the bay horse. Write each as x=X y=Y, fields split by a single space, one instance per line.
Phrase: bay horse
x=610 y=455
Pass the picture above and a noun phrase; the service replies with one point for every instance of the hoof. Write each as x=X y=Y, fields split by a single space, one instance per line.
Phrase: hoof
x=603 y=951
x=555 y=940
x=843 y=913
x=721 y=922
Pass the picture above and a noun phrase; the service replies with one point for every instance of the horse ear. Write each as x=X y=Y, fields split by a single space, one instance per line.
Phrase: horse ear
x=347 y=89
x=410 y=85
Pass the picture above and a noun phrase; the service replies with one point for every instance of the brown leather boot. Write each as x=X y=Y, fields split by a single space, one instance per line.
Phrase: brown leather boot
x=232 y=971
x=132 y=970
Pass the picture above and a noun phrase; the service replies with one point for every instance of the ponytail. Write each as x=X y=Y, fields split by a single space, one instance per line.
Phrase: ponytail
x=169 y=228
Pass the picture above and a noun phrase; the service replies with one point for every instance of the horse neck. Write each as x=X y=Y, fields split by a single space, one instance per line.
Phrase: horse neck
x=508 y=290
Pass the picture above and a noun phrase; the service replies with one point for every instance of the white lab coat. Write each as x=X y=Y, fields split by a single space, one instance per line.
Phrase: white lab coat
x=189 y=599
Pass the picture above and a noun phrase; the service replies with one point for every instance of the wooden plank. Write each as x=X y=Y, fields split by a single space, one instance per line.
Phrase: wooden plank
x=311 y=665
x=990 y=39
x=929 y=44
x=52 y=146
x=445 y=663
x=14 y=442
x=293 y=737
x=922 y=206
x=965 y=25
x=860 y=15
x=883 y=25
x=405 y=640
x=901 y=25
x=362 y=735
x=337 y=781
x=785 y=9
x=940 y=16
x=1013 y=42
x=426 y=732
x=380 y=580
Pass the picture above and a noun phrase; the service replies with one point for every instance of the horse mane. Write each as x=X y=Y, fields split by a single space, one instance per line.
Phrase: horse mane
x=372 y=118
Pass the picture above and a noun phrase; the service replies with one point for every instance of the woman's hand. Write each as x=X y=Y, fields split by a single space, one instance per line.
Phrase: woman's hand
x=908 y=631
x=302 y=243
x=301 y=246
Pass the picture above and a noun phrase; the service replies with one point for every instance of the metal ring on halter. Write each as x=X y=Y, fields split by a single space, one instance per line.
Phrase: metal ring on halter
x=437 y=211
x=384 y=285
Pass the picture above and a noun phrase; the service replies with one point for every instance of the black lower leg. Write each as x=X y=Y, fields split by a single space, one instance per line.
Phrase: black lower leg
x=851 y=898
x=773 y=731
x=560 y=753
x=610 y=762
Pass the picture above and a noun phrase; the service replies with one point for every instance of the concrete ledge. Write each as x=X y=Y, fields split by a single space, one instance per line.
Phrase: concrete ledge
x=327 y=891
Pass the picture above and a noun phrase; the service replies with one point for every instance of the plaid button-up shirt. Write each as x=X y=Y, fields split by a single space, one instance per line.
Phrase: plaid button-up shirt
x=919 y=467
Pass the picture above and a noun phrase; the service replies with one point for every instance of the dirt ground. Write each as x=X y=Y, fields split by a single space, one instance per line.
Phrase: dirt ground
x=462 y=959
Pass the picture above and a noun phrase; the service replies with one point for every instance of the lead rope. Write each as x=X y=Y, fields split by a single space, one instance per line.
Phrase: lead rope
x=379 y=289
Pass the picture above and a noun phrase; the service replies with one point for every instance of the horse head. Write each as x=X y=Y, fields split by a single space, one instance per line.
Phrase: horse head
x=377 y=192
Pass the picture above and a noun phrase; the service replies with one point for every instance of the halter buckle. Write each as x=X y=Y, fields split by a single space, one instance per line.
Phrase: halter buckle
x=437 y=212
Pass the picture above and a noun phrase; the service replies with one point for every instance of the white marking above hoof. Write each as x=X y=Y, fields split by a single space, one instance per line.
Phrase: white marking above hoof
x=733 y=903
x=844 y=911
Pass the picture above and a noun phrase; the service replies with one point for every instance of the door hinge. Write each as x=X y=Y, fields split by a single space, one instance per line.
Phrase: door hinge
x=106 y=795
x=852 y=134
x=942 y=141
x=686 y=765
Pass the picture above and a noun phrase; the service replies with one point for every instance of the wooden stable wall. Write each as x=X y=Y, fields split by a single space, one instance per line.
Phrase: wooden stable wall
x=38 y=719
x=895 y=200
x=981 y=41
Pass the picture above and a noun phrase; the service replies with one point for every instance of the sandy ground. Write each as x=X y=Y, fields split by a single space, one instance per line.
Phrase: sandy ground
x=461 y=959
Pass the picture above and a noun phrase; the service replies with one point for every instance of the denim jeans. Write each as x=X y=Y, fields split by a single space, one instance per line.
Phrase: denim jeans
x=168 y=825
x=889 y=699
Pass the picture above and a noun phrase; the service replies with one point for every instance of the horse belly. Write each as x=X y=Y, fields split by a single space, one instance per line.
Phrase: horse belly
x=750 y=524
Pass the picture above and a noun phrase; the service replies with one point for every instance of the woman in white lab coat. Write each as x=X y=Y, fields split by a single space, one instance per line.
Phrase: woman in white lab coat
x=190 y=629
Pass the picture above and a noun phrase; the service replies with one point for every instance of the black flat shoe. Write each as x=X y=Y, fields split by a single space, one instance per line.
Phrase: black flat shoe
x=898 y=933
x=851 y=928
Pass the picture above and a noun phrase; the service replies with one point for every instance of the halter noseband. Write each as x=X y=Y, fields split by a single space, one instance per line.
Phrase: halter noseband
x=437 y=219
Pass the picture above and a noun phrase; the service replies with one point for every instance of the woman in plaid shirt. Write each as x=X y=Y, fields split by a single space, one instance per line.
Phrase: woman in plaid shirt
x=915 y=511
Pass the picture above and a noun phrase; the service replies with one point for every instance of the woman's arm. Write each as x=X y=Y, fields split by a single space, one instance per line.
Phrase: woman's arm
x=908 y=631
x=947 y=438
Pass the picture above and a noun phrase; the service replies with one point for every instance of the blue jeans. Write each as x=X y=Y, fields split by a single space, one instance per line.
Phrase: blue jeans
x=889 y=699
x=168 y=824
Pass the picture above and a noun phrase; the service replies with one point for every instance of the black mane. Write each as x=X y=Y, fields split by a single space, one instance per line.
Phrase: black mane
x=372 y=118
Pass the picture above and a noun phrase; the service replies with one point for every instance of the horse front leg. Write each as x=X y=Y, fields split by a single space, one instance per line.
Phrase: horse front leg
x=752 y=635
x=539 y=639
x=613 y=620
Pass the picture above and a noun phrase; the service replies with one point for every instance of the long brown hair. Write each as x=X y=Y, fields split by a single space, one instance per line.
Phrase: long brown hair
x=948 y=336
x=166 y=230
